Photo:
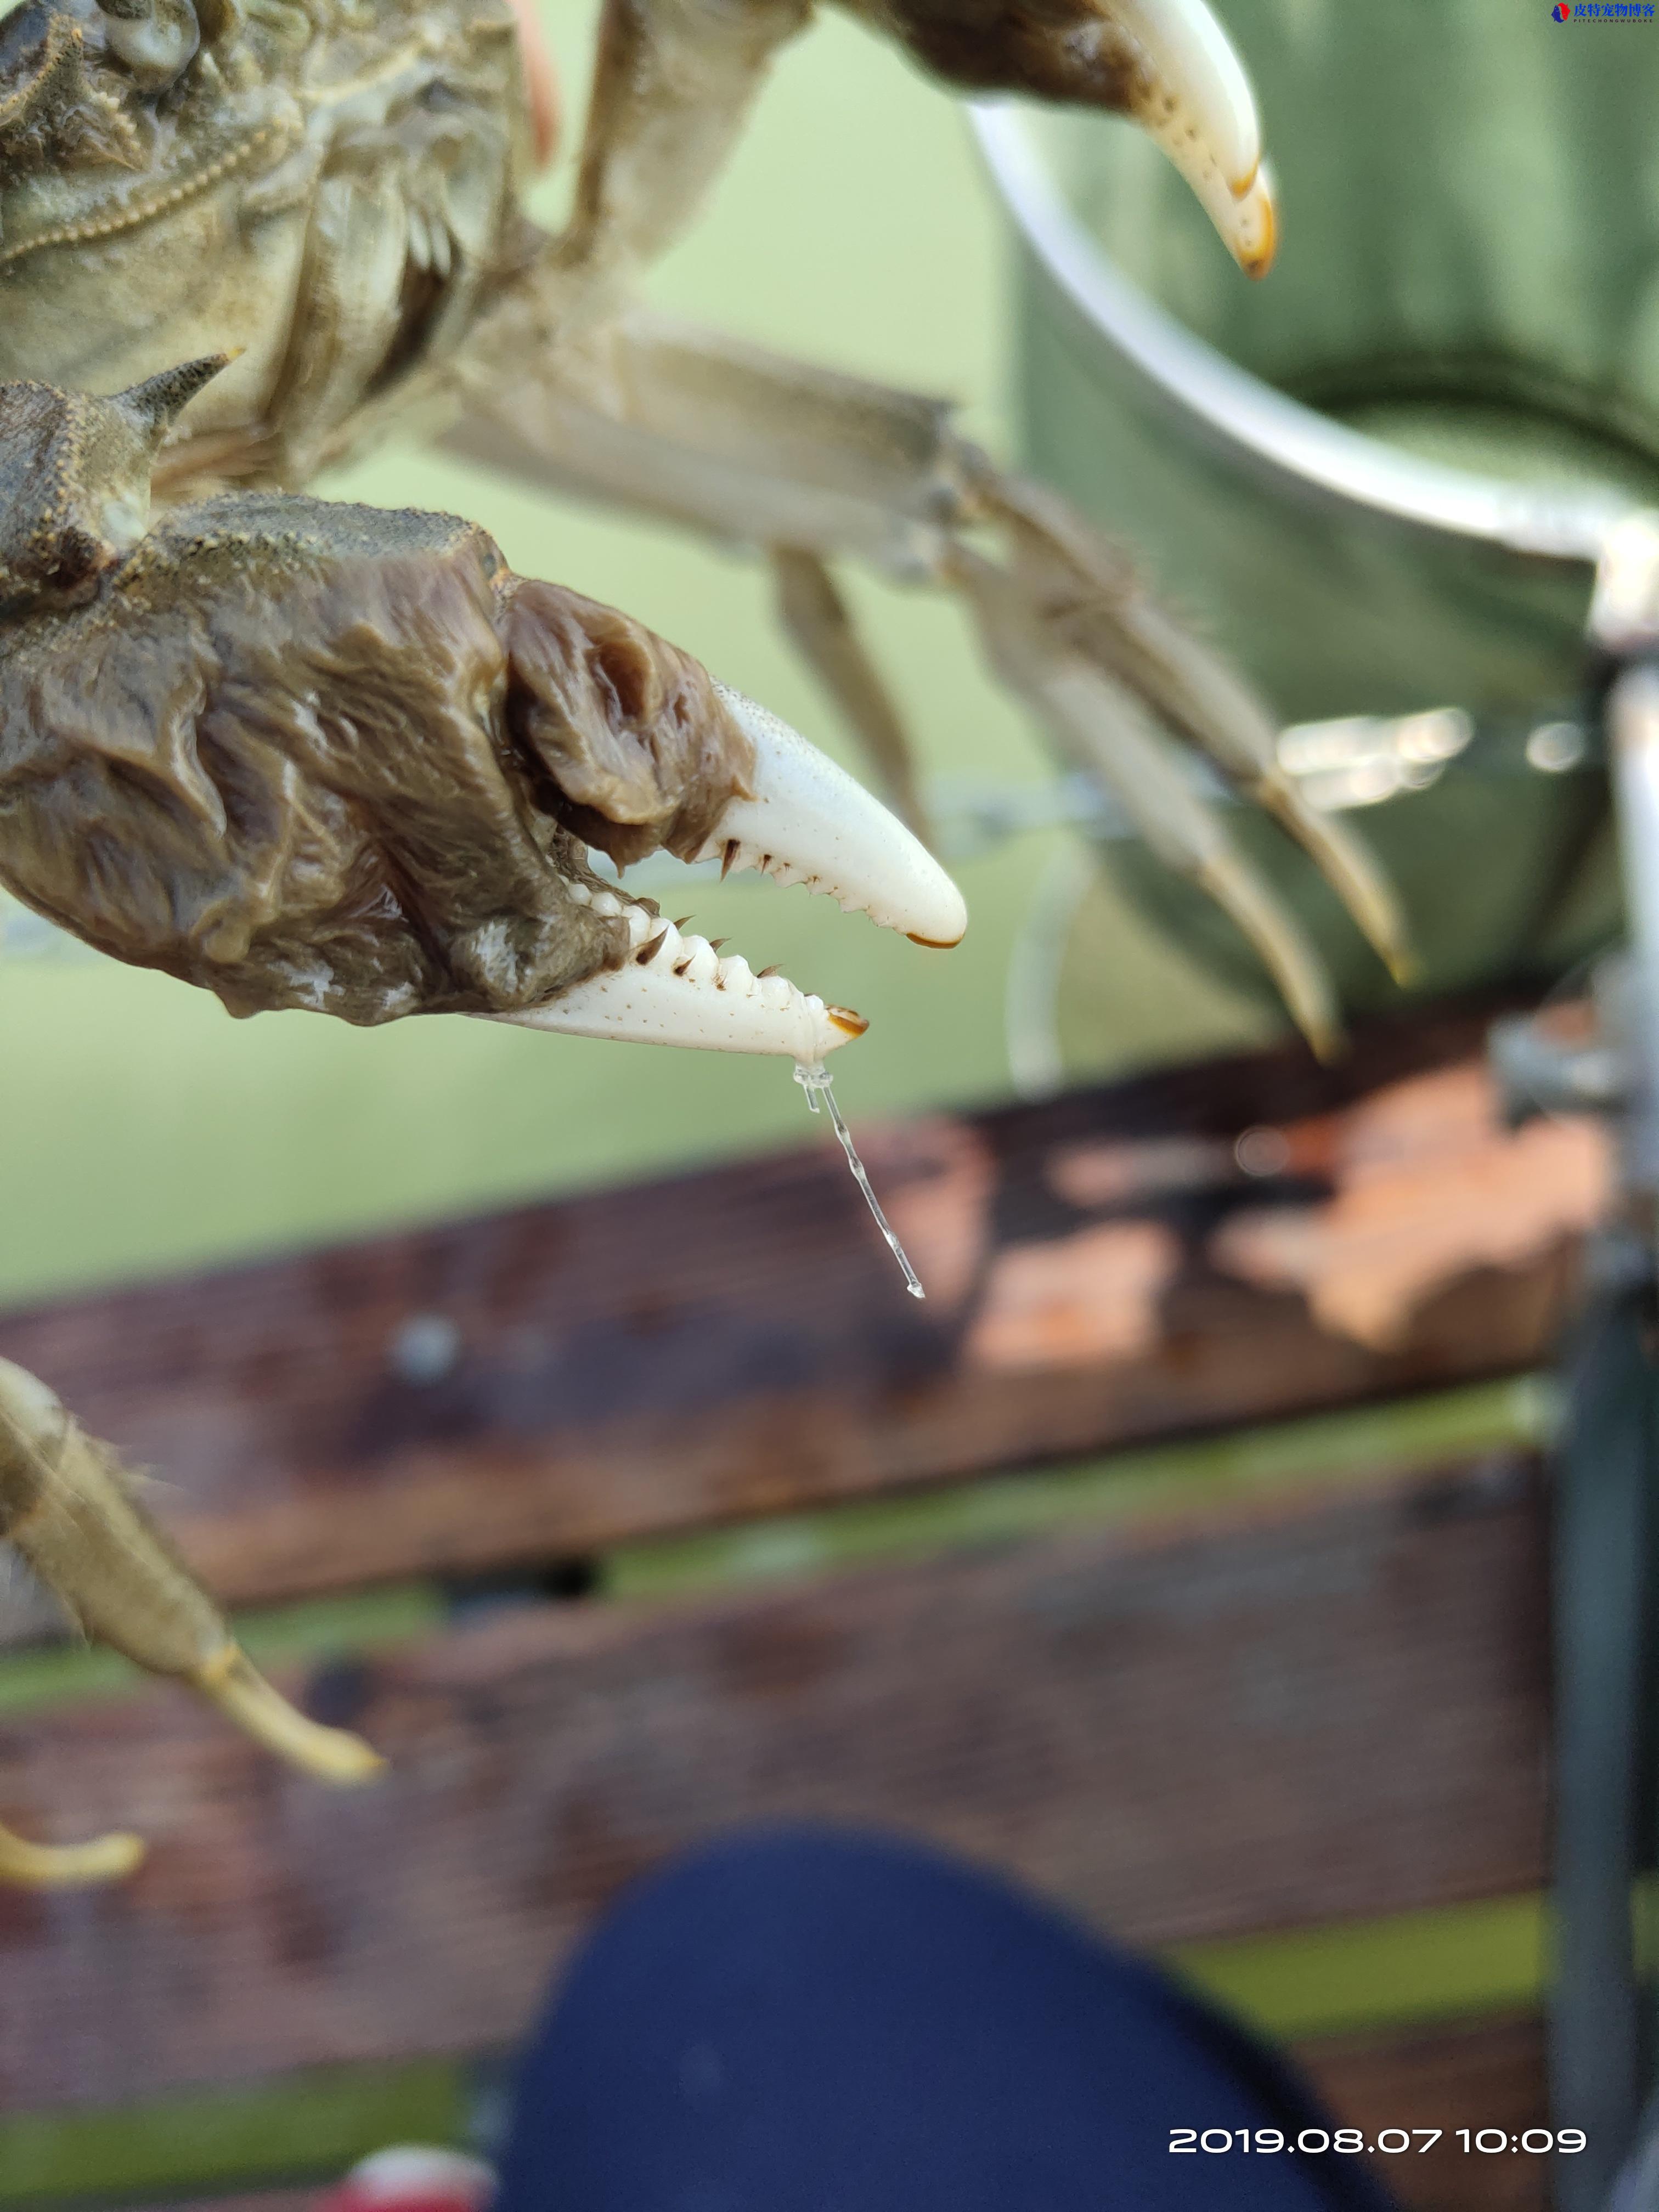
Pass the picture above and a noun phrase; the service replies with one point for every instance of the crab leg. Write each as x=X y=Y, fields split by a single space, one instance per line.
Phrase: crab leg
x=1106 y=732
x=1094 y=602
x=818 y=620
x=732 y=440
x=673 y=84
x=24 y=1865
x=69 y=1508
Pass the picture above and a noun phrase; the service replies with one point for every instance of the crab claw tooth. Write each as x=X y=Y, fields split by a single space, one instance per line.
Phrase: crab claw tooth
x=1196 y=101
x=810 y=822
x=677 y=990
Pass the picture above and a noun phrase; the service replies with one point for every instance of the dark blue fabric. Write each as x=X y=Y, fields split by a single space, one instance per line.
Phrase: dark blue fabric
x=815 y=2022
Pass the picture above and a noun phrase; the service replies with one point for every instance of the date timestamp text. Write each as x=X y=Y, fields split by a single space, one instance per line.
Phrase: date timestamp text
x=1387 y=2142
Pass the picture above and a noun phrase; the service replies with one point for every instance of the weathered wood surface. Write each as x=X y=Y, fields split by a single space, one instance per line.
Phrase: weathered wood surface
x=282 y=2200
x=1317 y=1708
x=1486 y=2074
x=1102 y=1269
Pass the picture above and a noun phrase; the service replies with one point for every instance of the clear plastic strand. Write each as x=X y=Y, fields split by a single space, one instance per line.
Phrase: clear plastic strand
x=814 y=1079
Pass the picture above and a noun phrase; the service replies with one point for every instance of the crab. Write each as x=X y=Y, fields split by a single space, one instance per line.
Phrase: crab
x=309 y=755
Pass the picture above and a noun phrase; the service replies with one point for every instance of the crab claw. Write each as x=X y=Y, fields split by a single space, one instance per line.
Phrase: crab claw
x=1192 y=96
x=800 y=819
x=1167 y=63
x=517 y=726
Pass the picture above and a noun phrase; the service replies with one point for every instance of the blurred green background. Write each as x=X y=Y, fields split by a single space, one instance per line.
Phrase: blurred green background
x=146 y=1131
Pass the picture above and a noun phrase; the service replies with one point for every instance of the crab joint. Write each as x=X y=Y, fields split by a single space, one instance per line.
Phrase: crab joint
x=69 y=1508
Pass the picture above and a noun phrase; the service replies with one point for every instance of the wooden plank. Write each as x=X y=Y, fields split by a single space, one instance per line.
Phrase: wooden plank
x=1482 y=2074
x=1102 y=1270
x=280 y=2200
x=1317 y=1709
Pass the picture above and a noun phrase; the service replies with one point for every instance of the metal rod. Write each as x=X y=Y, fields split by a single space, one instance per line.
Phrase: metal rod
x=1602 y=1633
x=1633 y=728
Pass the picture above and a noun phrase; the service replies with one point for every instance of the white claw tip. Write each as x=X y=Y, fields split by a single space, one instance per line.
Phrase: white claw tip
x=675 y=989
x=810 y=823
x=1198 y=106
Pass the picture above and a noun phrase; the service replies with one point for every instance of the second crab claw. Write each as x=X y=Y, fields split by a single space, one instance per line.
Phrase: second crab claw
x=1167 y=63
x=802 y=819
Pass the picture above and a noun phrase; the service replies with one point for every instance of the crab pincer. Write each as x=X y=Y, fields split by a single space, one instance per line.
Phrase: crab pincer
x=308 y=755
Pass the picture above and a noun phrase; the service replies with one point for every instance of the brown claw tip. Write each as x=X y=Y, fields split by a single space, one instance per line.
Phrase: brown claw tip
x=1262 y=260
x=845 y=1018
x=934 y=944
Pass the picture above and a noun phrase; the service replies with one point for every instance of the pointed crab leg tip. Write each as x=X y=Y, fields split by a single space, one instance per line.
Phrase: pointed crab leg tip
x=68 y=1866
x=334 y=1755
x=807 y=821
x=1327 y=1045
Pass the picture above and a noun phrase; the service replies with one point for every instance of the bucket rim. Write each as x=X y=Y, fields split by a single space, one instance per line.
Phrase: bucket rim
x=1310 y=452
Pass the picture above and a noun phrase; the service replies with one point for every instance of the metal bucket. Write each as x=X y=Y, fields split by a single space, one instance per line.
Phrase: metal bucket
x=1379 y=478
